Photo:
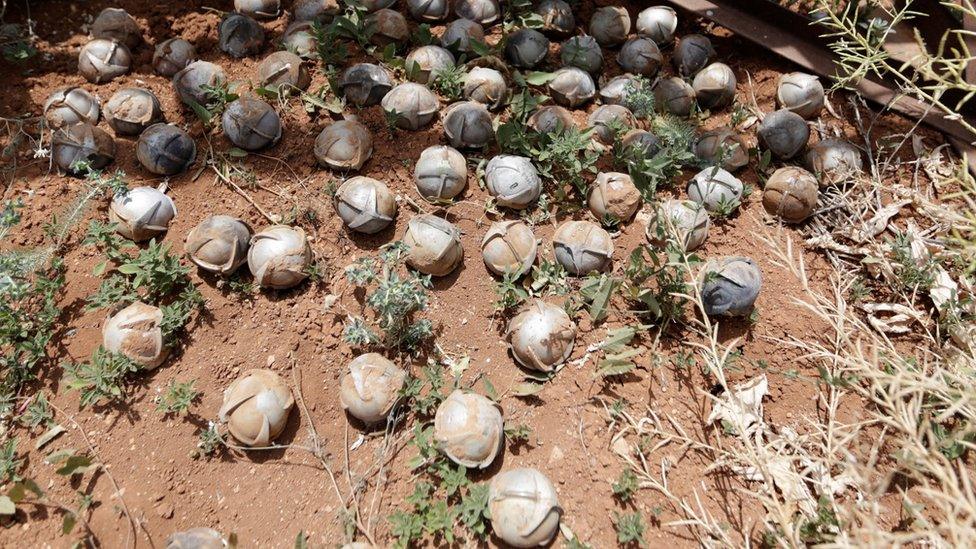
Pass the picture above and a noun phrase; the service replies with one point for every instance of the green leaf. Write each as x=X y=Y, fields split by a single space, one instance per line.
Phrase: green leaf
x=100 y=268
x=617 y=364
x=68 y=523
x=301 y=540
x=539 y=78
x=129 y=268
x=202 y=113
x=618 y=339
x=7 y=506
x=236 y=153
x=527 y=388
x=75 y=465
x=490 y=391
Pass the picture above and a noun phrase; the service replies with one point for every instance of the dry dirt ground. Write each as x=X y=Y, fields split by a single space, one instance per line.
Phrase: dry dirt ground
x=266 y=498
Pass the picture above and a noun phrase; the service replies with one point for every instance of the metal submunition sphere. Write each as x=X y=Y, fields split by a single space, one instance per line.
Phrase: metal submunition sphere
x=279 y=257
x=256 y=407
x=509 y=247
x=524 y=508
x=541 y=336
x=468 y=429
x=434 y=245
x=136 y=333
x=582 y=247
x=371 y=387
x=365 y=205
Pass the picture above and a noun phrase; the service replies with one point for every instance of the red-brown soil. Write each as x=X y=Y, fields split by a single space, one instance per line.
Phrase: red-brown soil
x=266 y=498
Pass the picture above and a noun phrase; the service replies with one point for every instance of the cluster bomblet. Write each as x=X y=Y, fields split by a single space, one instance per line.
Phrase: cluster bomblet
x=685 y=220
x=526 y=48
x=283 y=73
x=321 y=11
x=834 y=161
x=582 y=247
x=605 y=118
x=219 y=244
x=165 y=149
x=141 y=213
x=541 y=336
x=784 y=133
x=460 y=34
x=557 y=17
x=136 y=333
x=572 y=87
x=486 y=86
x=441 y=173
x=614 y=196
x=610 y=25
x=674 y=95
x=509 y=248
x=172 y=56
x=715 y=86
x=103 y=60
x=299 y=38
x=423 y=63
x=256 y=407
x=524 y=508
x=411 y=105
x=468 y=125
x=551 y=118
x=191 y=81
x=642 y=141
x=251 y=124
x=657 y=23
x=479 y=11
x=693 y=53
x=716 y=189
x=197 y=538
x=387 y=27
x=433 y=245
x=70 y=106
x=582 y=52
x=344 y=145
x=261 y=9
x=730 y=286
x=791 y=194
x=82 y=144
x=131 y=110
x=468 y=429
x=722 y=147
x=429 y=10
x=640 y=56
x=616 y=90
x=240 y=36
x=513 y=181
x=279 y=257
x=370 y=388
x=116 y=24
x=365 y=205
x=801 y=93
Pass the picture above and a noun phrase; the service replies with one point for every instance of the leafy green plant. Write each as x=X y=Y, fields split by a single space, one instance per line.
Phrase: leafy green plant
x=625 y=486
x=562 y=157
x=152 y=275
x=510 y=291
x=449 y=82
x=177 y=398
x=211 y=441
x=218 y=96
x=630 y=529
x=16 y=42
x=395 y=295
x=100 y=379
